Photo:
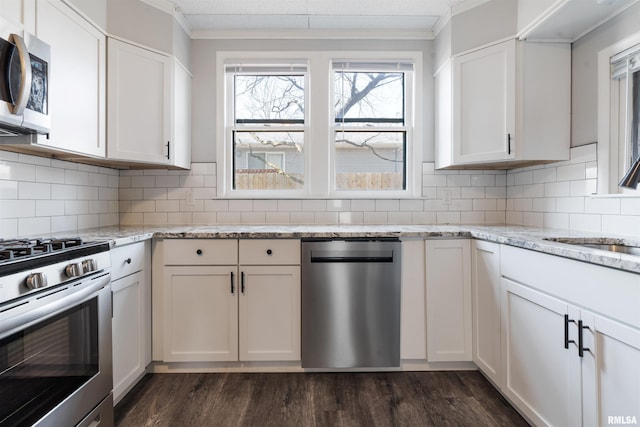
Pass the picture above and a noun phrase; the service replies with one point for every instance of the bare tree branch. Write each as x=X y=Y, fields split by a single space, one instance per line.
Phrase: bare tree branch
x=365 y=144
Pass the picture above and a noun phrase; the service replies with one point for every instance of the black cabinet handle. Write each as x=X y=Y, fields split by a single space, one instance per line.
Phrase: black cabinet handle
x=127 y=261
x=199 y=252
x=508 y=143
x=581 y=348
x=168 y=149
x=269 y=252
x=566 y=331
x=233 y=288
x=242 y=282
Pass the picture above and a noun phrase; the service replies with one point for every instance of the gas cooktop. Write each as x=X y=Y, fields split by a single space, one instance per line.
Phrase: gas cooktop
x=29 y=253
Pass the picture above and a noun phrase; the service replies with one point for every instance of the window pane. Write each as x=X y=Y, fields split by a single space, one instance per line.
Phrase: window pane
x=365 y=98
x=268 y=160
x=635 y=121
x=263 y=99
x=370 y=160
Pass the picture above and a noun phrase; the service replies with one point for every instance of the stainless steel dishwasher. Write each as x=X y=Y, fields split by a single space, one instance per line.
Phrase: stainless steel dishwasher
x=350 y=303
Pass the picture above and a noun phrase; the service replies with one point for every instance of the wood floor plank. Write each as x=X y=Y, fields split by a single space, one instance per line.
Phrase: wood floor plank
x=316 y=399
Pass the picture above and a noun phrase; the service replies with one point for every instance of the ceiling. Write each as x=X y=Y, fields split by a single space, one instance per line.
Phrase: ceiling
x=328 y=15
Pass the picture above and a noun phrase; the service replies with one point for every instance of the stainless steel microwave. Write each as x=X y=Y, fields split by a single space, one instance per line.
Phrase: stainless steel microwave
x=24 y=82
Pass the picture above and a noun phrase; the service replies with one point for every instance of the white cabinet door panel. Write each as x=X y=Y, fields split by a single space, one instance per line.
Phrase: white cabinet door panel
x=140 y=94
x=540 y=375
x=77 y=90
x=201 y=314
x=449 y=332
x=270 y=313
x=127 y=330
x=485 y=261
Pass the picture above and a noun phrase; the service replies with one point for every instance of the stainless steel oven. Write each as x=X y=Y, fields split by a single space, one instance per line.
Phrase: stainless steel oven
x=55 y=337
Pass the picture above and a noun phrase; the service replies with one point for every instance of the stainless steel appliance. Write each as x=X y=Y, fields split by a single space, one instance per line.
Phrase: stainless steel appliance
x=350 y=303
x=55 y=333
x=24 y=82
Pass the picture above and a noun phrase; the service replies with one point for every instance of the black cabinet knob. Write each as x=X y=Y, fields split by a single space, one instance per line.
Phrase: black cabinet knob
x=127 y=261
x=269 y=252
x=199 y=251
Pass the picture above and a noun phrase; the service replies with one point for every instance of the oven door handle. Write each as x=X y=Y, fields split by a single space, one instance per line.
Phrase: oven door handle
x=42 y=306
x=25 y=75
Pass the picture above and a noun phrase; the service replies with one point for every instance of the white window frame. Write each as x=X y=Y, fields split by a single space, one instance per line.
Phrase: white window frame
x=612 y=122
x=407 y=129
x=319 y=125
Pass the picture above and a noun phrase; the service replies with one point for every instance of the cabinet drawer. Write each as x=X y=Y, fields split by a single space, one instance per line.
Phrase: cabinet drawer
x=126 y=260
x=200 y=252
x=270 y=252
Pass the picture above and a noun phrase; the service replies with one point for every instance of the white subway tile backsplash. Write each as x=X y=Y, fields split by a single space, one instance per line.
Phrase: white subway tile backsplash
x=571 y=172
x=143 y=181
x=17 y=171
x=49 y=175
x=34 y=190
x=49 y=207
x=8 y=190
x=155 y=218
x=18 y=209
x=585 y=222
x=241 y=205
x=387 y=205
x=64 y=223
x=34 y=226
x=602 y=205
x=168 y=181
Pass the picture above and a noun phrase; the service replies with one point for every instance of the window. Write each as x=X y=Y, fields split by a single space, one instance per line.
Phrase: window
x=618 y=114
x=318 y=125
x=625 y=71
x=267 y=125
x=370 y=134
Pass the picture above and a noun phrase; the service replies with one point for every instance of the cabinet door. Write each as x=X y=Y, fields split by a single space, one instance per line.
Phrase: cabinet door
x=413 y=322
x=139 y=91
x=21 y=12
x=77 y=91
x=448 y=271
x=610 y=371
x=484 y=104
x=200 y=314
x=270 y=313
x=540 y=376
x=128 y=331
x=485 y=282
x=181 y=121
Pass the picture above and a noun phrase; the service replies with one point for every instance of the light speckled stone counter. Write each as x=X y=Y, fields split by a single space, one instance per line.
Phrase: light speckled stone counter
x=527 y=238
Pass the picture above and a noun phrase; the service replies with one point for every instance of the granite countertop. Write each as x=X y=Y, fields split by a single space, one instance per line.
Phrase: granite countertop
x=523 y=237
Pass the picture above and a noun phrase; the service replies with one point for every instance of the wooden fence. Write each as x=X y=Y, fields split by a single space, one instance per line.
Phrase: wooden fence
x=264 y=179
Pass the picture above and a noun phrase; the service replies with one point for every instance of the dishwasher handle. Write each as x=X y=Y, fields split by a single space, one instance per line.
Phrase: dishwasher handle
x=351 y=256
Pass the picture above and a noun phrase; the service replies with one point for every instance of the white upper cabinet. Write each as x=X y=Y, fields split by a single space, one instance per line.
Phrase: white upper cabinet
x=148 y=106
x=20 y=12
x=78 y=82
x=490 y=103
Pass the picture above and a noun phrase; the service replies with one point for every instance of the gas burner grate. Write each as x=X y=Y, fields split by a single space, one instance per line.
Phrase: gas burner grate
x=22 y=248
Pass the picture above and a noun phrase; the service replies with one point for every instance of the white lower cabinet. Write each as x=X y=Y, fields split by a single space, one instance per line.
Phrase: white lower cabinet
x=570 y=340
x=248 y=310
x=269 y=314
x=448 y=288
x=200 y=314
x=541 y=377
x=131 y=322
x=485 y=283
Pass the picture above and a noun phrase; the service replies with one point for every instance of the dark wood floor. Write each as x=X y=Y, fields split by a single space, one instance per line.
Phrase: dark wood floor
x=316 y=399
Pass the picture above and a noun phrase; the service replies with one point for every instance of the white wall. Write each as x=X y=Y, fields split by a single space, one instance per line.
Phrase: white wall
x=203 y=67
x=584 y=76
